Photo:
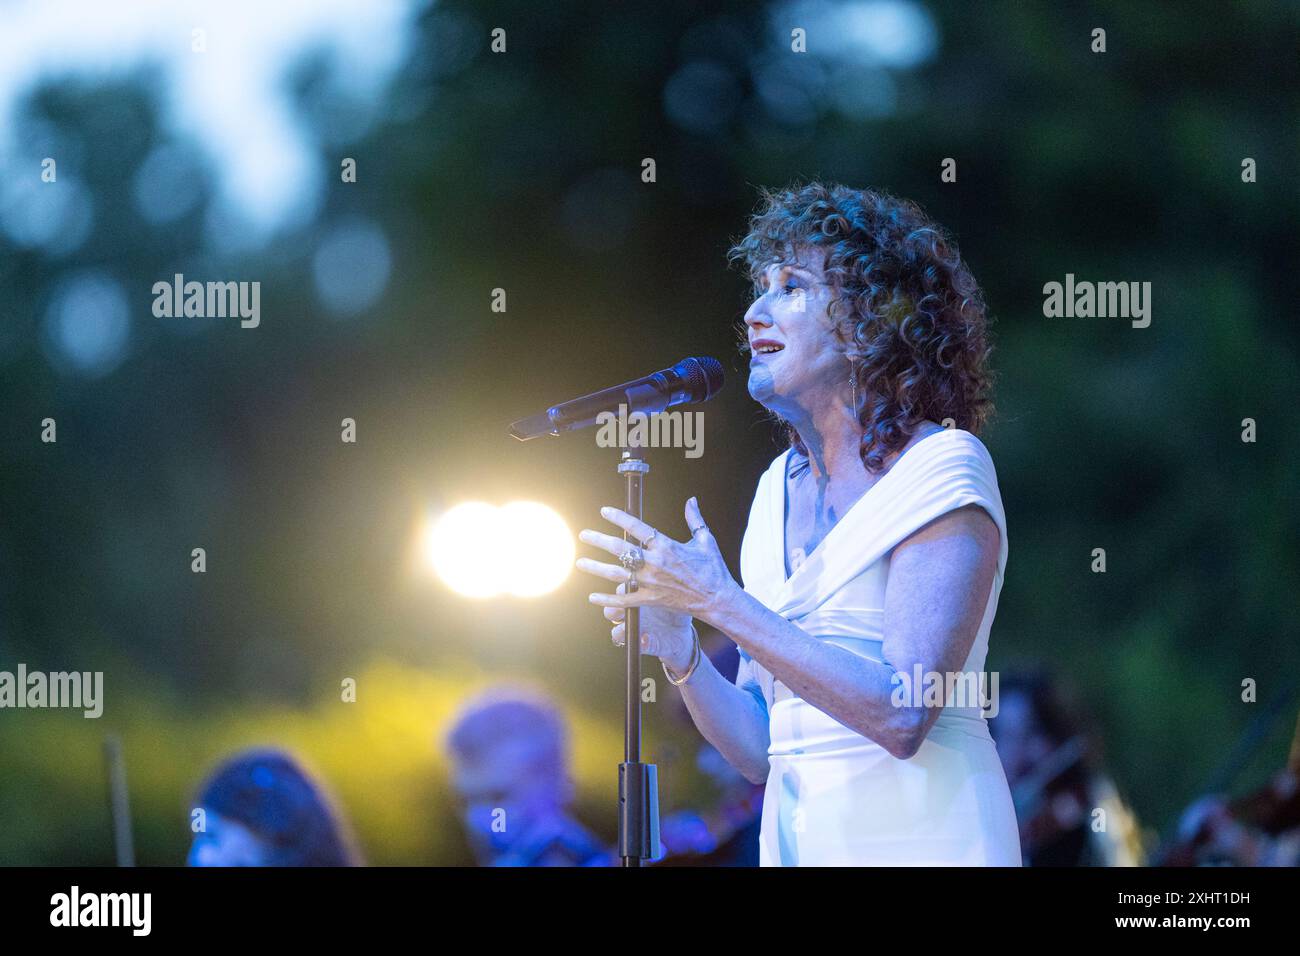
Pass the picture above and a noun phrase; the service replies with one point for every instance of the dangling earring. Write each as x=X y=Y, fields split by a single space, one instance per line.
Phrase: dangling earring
x=853 y=384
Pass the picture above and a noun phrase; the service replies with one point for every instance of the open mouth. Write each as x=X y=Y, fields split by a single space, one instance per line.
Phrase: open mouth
x=764 y=347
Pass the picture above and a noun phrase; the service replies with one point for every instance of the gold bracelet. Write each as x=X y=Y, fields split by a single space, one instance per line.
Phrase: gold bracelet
x=696 y=654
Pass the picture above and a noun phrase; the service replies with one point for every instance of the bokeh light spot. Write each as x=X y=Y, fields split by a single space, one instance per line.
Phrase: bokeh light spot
x=479 y=550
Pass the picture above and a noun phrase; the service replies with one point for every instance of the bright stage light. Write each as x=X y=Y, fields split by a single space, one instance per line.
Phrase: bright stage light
x=540 y=547
x=479 y=550
x=460 y=549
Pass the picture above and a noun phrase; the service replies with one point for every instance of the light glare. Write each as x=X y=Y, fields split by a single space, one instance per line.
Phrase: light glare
x=479 y=550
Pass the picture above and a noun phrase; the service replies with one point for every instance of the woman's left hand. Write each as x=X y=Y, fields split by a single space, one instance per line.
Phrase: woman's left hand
x=683 y=576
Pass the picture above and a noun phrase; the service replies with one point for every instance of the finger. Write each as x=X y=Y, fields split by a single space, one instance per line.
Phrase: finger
x=628 y=523
x=610 y=572
x=606 y=542
x=635 y=599
x=618 y=634
x=615 y=613
x=694 y=519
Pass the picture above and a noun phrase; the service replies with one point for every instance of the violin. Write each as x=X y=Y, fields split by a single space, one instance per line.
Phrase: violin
x=1272 y=809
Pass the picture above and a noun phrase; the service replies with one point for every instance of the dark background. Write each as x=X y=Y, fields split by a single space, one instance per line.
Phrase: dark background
x=522 y=171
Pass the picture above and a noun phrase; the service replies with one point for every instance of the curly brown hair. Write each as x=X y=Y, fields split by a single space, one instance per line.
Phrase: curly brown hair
x=904 y=305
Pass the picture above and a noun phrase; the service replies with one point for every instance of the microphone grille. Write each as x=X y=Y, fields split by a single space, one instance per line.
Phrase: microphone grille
x=703 y=376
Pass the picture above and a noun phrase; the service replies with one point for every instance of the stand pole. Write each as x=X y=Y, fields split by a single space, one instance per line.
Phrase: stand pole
x=638 y=817
x=119 y=802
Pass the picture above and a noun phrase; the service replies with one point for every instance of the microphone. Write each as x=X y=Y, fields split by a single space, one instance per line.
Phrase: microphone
x=690 y=380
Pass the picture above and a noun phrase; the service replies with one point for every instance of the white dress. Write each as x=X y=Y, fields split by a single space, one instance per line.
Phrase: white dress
x=833 y=797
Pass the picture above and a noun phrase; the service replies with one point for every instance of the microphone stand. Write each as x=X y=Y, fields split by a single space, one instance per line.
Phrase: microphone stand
x=638 y=784
x=690 y=380
x=119 y=803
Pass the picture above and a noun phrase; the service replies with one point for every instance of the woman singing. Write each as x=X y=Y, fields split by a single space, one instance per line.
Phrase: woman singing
x=874 y=553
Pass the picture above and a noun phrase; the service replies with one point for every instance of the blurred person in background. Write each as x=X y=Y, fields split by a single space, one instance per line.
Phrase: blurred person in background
x=1056 y=788
x=509 y=748
x=261 y=808
x=1261 y=828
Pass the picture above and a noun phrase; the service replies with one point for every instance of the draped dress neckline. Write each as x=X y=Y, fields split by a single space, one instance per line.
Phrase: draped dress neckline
x=782 y=501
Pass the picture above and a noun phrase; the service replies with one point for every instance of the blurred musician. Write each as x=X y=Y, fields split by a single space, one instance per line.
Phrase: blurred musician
x=509 y=749
x=1070 y=814
x=1259 y=829
x=261 y=808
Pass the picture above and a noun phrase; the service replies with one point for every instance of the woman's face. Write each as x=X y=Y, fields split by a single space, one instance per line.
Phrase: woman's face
x=226 y=843
x=792 y=312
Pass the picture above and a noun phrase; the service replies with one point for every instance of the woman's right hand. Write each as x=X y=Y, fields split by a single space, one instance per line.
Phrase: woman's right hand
x=665 y=634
